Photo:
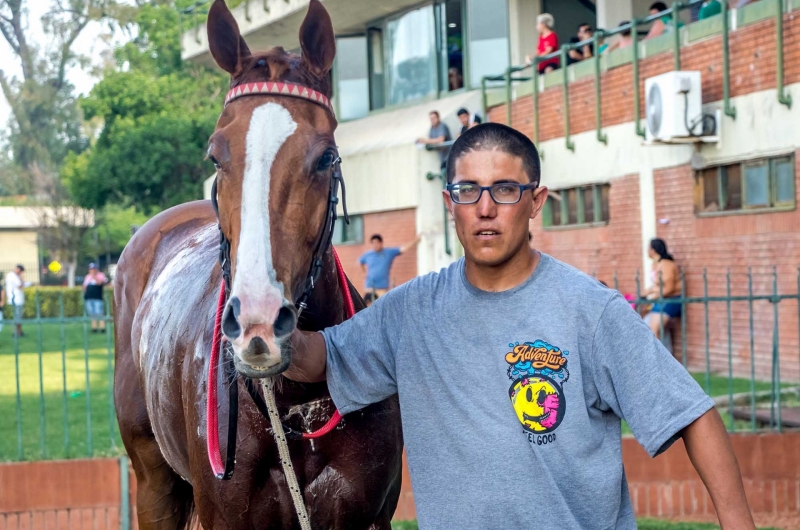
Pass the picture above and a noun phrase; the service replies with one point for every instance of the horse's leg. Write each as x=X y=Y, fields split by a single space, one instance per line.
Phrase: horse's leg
x=163 y=499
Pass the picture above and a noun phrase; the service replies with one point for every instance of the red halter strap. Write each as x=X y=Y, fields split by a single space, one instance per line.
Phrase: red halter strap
x=220 y=469
x=279 y=89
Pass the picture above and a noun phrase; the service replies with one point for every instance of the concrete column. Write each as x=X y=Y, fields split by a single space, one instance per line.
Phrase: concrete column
x=611 y=12
x=522 y=28
x=647 y=205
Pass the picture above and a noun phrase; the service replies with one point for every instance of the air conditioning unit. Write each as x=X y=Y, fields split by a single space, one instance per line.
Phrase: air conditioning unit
x=672 y=101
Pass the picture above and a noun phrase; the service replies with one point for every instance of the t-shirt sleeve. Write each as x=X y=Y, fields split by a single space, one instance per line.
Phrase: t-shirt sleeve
x=640 y=381
x=363 y=259
x=394 y=252
x=361 y=354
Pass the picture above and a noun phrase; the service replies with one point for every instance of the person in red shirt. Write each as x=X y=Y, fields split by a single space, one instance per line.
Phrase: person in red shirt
x=548 y=43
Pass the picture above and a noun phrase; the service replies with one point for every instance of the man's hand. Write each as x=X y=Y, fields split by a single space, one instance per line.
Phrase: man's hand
x=309 y=357
x=710 y=451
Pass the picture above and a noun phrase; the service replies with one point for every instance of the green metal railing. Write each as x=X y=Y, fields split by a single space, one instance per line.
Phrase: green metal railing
x=766 y=399
x=675 y=31
x=61 y=388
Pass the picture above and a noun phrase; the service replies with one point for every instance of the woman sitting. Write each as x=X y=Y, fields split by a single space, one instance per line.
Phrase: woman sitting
x=666 y=284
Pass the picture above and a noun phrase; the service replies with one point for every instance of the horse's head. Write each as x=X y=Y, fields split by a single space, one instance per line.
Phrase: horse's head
x=274 y=156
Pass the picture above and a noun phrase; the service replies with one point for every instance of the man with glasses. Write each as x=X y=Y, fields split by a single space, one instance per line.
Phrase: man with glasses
x=513 y=370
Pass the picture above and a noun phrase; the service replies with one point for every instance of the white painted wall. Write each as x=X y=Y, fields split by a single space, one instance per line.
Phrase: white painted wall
x=522 y=28
x=611 y=12
x=763 y=127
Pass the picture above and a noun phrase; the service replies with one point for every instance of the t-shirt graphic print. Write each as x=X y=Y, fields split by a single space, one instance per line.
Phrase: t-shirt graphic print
x=537 y=371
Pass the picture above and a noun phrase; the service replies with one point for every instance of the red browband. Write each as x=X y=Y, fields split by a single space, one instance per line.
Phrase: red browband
x=279 y=89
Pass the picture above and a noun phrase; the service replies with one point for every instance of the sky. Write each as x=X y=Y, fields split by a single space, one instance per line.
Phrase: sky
x=88 y=43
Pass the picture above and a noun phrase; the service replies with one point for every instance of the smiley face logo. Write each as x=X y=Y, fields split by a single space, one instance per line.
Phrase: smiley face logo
x=539 y=403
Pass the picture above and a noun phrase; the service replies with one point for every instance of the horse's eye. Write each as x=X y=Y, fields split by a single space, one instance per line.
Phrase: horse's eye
x=326 y=161
x=215 y=162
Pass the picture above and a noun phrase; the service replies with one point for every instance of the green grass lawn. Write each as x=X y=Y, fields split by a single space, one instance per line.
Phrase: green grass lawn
x=61 y=414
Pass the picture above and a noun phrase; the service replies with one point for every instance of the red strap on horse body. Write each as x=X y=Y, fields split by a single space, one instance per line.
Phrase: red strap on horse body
x=212 y=423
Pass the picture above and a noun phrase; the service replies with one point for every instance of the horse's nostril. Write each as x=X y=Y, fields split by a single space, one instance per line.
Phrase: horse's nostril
x=230 y=319
x=285 y=322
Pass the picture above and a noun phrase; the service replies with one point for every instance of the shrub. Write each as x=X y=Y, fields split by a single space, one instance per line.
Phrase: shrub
x=49 y=302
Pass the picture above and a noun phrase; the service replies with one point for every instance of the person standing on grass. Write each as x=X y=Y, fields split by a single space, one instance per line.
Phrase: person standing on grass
x=16 y=296
x=377 y=264
x=514 y=370
x=93 y=297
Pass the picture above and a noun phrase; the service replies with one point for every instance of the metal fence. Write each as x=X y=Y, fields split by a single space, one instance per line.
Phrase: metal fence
x=56 y=384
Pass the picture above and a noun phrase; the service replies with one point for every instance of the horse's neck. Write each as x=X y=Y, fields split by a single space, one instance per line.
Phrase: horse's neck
x=326 y=302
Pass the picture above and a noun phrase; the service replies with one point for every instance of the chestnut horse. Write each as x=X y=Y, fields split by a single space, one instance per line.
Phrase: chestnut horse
x=275 y=157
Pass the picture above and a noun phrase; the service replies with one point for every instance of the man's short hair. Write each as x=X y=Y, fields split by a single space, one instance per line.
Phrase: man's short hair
x=462 y=111
x=21 y=268
x=585 y=25
x=625 y=32
x=376 y=236
x=489 y=136
x=658 y=6
x=370 y=297
x=436 y=112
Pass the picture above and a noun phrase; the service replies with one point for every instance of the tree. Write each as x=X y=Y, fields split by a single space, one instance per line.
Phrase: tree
x=157 y=114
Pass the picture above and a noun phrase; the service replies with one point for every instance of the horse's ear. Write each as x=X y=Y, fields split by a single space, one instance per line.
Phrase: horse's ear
x=224 y=40
x=317 y=39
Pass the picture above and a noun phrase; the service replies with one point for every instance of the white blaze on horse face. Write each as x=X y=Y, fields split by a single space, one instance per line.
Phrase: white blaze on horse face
x=255 y=283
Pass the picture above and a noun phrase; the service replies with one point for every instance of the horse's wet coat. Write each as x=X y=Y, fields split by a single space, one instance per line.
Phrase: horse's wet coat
x=272 y=205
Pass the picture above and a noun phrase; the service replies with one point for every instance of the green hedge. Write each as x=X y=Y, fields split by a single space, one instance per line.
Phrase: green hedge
x=49 y=301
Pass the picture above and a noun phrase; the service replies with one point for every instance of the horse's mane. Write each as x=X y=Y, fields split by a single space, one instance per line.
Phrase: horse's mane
x=279 y=65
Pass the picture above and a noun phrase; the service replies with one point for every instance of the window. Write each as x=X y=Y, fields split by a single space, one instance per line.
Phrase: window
x=352 y=81
x=450 y=43
x=584 y=205
x=410 y=51
x=488 y=38
x=752 y=185
x=352 y=233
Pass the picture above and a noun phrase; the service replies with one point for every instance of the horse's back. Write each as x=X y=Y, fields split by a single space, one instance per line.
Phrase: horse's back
x=165 y=285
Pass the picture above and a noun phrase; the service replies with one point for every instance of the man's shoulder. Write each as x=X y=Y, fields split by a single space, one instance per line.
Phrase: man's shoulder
x=574 y=285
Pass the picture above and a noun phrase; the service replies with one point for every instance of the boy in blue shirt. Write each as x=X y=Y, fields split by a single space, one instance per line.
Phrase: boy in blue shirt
x=377 y=263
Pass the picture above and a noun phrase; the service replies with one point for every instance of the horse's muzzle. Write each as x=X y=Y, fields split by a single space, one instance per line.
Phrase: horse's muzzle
x=260 y=349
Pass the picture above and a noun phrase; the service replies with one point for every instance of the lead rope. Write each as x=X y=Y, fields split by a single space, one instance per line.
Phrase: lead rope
x=268 y=385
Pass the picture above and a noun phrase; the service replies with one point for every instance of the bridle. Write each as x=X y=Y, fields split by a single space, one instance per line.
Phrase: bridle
x=314 y=272
x=325 y=237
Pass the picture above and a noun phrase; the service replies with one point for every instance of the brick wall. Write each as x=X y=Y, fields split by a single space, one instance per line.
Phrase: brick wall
x=397 y=228
x=752 y=68
x=85 y=494
x=760 y=240
x=600 y=251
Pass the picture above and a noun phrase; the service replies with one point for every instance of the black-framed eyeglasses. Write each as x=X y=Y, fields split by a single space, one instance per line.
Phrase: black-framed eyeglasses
x=501 y=193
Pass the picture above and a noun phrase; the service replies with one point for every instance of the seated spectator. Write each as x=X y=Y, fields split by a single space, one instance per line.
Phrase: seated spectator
x=468 y=121
x=439 y=133
x=586 y=51
x=661 y=25
x=625 y=38
x=709 y=9
x=548 y=43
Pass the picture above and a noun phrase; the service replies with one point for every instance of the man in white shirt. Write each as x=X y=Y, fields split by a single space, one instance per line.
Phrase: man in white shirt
x=15 y=295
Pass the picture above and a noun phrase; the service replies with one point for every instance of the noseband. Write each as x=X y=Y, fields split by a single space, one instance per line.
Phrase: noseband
x=314 y=272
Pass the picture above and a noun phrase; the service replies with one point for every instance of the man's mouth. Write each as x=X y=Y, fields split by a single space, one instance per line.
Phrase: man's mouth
x=487 y=234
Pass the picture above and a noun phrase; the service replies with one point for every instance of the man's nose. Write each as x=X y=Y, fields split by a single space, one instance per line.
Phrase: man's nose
x=486 y=206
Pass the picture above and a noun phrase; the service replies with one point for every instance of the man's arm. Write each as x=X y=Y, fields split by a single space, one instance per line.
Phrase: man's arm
x=309 y=357
x=408 y=246
x=711 y=454
x=428 y=141
x=656 y=29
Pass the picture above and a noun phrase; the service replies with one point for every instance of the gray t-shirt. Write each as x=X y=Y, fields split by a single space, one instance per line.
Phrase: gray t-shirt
x=511 y=401
x=436 y=132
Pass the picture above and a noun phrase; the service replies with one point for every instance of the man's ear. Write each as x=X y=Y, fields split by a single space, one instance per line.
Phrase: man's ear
x=448 y=202
x=539 y=198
